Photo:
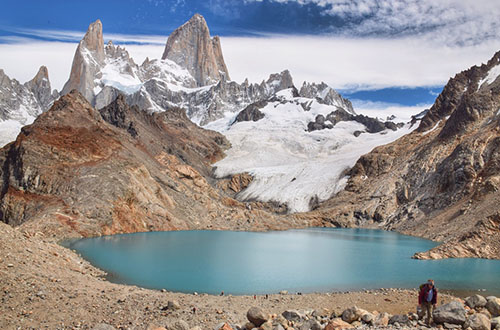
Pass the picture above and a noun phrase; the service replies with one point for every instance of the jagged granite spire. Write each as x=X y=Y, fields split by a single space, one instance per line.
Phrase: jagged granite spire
x=89 y=57
x=191 y=47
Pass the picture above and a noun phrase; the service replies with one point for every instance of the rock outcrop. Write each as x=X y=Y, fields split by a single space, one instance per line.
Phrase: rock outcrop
x=88 y=60
x=77 y=171
x=442 y=180
x=191 y=47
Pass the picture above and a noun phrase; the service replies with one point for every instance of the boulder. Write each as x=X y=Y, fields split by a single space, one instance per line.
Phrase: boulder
x=367 y=317
x=352 y=314
x=223 y=326
x=401 y=319
x=493 y=306
x=266 y=326
x=310 y=325
x=381 y=320
x=495 y=322
x=338 y=324
x=475 y=301
x=453 y=313
x=478 y=322
x=292 y=315
x=257 y=316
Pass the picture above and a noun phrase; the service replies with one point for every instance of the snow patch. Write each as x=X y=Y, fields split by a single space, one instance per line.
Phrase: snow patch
x=491 y=76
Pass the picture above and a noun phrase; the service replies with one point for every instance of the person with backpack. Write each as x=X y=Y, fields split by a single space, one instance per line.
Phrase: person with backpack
x=427 y=299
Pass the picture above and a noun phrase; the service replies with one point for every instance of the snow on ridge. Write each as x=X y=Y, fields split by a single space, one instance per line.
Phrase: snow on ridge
x=491 y=76
x=289 y=164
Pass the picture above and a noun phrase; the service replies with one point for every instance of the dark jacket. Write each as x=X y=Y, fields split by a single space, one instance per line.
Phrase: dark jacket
x=424 y=291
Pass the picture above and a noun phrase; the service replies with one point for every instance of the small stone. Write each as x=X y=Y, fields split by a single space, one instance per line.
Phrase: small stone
x=310 y=325
x=351 y=314
x=10 y=265
x=173 y=305
x=179 y=325
x=103 y=326
x=257 y=316
x=283 y=292
x=223 y=326
x=401 y=319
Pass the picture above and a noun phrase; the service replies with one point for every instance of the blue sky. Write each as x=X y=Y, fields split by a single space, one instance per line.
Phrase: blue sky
x=382 y=51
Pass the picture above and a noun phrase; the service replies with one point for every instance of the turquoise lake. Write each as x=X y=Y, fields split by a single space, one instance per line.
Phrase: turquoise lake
x=308 y=260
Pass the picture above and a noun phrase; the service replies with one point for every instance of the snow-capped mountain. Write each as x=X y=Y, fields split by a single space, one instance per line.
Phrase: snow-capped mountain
x=296 y=143
x=20 y=103
x=191 y=74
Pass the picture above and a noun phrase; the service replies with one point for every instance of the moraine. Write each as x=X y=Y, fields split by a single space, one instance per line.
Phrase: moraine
x=308 y=260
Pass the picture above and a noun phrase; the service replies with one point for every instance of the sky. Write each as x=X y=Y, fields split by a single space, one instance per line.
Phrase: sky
x=378 y=53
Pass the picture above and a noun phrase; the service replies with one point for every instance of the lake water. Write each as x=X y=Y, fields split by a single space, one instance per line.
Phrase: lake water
x=308 y=260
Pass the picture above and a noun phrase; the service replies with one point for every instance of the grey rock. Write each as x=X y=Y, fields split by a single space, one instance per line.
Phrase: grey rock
x=495 y=321
x=475 y=301
x=402 y=319
x=310 y=325
x=251 y=112
x=351 y=314
x=453 y=312
x=452 y=326
x=478 y=322
x=292 y=315
x=367 y=318
x=278 y=327
x=257 y=316
x=493 y=306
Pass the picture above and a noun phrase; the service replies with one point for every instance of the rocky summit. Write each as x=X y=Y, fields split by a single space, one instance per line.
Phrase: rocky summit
x=440 y=181
x=191 y=47
x=20 y=103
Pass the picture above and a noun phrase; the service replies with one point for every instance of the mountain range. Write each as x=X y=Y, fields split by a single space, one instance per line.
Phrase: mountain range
x=121 y=149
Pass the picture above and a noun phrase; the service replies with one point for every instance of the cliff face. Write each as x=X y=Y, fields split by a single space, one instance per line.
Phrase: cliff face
x=441 y=181
x=80 y=172
x=89 y=58
x=191 y=47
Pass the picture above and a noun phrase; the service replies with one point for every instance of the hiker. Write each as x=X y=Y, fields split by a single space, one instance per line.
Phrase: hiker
x=427 y=299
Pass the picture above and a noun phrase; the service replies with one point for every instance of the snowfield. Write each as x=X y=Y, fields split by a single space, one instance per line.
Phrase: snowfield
x=289 y=164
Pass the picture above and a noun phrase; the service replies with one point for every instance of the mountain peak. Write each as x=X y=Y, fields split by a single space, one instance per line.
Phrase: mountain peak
x=191 y=47
x=93 y=40
x=89 y=57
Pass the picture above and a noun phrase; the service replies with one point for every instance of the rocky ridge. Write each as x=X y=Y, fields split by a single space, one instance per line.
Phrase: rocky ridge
x=440 y=181
x=21 y=103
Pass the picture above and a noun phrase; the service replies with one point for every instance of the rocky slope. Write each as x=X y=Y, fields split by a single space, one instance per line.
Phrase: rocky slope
x=442 y=180
x=77 y=171
x=20 y=103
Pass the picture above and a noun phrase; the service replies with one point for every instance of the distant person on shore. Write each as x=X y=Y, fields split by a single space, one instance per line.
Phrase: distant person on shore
x=427 y=299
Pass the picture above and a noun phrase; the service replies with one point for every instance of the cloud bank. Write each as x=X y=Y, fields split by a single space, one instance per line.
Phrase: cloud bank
x=343 y=63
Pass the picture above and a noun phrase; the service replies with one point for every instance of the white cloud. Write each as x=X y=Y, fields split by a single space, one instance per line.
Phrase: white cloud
x=449 y=21
x=343 y=63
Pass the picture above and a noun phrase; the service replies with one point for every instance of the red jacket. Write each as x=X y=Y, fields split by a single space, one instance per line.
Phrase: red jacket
x=424 y=291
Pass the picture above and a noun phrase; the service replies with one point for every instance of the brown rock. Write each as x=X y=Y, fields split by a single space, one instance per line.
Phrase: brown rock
x=338 y=324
